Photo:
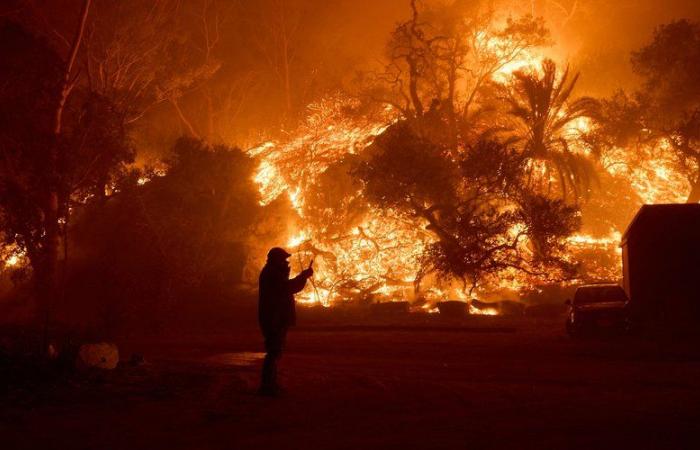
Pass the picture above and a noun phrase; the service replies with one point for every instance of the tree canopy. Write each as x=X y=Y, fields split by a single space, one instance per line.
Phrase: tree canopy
x=478 y=206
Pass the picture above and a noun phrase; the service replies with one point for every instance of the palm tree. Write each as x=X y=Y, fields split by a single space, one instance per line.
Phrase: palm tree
x=543 y=115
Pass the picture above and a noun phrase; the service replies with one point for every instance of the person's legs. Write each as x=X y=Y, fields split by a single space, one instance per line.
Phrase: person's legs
x=269 y=371
x=274 y=343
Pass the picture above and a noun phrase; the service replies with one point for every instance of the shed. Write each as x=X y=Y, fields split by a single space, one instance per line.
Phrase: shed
x=661 y=267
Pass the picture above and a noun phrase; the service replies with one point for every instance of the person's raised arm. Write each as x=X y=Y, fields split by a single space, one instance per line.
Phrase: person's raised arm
x=297 y=283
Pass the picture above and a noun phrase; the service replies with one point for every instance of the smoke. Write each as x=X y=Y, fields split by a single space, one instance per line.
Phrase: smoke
x=327 y=43
x=597 y=36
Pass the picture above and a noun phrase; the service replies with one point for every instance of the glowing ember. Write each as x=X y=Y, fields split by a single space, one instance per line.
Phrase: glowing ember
x=12 y=261
x=483 y=312
x=586 y=240
x=12 y=257
x=377 y=260
x=159 y=171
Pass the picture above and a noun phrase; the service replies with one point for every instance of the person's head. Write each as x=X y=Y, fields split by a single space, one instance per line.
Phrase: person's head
x=278 y=256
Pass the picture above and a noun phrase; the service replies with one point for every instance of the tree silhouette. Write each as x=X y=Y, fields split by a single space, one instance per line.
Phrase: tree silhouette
x=170 y=241
x=442 y=61
x=56 y=151
x=543 y=112
x=669 y=103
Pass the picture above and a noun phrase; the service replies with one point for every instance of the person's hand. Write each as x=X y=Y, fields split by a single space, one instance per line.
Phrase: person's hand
x=308 y=272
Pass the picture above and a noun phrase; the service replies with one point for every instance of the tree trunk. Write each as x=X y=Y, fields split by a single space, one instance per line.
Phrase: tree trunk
x=185 y=121
x=694 y=196
x=413 y=87
x=45 y=276
x=45 y=273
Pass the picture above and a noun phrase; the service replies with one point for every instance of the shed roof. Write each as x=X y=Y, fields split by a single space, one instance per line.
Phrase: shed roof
x=658 y=216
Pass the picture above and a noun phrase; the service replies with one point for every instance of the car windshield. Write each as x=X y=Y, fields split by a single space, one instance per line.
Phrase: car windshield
x=598 y=294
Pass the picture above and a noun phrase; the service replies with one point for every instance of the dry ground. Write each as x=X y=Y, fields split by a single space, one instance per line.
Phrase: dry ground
x=521 y=385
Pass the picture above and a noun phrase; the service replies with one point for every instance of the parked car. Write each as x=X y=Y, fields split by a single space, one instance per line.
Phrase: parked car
x=598 y=307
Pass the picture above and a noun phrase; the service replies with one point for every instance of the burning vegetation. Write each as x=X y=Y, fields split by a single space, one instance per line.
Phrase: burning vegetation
x=467 y=178
x=463 y=166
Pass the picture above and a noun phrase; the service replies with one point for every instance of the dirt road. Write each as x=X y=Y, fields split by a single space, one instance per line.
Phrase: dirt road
x=525 y=385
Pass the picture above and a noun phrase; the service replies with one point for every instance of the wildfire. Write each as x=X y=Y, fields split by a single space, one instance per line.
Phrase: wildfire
x=526 y=60
x=377 y=260
x=378 y=257
x=506 y=60
x=328 y=134
x=12 y=261
x=651 y=172
x=12 y=257
x=268 y=178
x=584 y=240
x=483 y=311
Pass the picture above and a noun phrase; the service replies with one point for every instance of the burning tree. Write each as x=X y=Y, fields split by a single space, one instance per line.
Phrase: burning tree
x=445 y=67
x=650 y=136
x=443 y=60
x=478 y=206
x=438 y=168
x=543 y=115
x=669 y=103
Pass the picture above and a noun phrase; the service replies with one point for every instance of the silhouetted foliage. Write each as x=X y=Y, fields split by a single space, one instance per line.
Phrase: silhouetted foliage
x=92 y=149
x=31 y=75
x=155 y=251
x=98 y=147
x=619 y=123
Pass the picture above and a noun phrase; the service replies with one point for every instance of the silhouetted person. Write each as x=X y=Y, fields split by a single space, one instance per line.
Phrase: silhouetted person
x=276 y=311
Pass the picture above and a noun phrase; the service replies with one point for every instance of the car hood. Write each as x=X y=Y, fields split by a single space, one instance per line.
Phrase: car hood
x=600 y=306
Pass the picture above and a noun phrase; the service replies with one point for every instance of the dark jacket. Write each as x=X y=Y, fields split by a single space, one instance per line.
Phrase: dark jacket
x=276 y=305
